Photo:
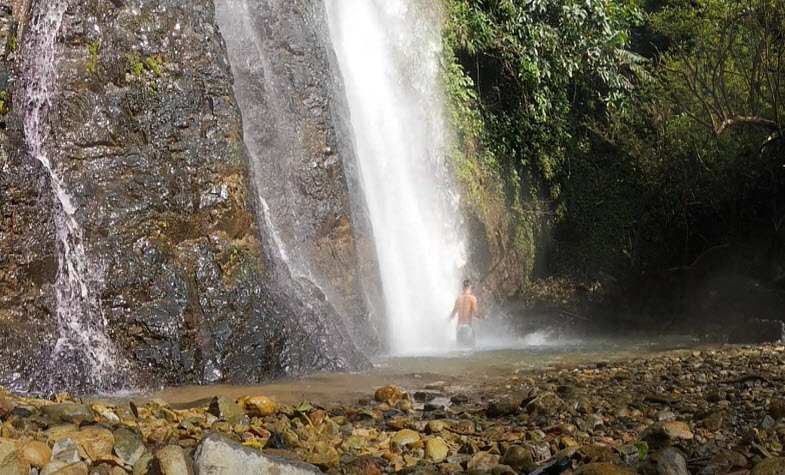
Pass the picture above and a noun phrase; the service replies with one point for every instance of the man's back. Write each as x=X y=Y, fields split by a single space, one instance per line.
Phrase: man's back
x=466 y=308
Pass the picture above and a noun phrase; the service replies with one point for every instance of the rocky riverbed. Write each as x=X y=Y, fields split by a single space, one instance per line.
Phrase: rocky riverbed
x=718 y=410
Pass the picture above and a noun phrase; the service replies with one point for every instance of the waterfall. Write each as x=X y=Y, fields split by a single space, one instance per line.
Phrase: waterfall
x=389 y=55
x=82 y=352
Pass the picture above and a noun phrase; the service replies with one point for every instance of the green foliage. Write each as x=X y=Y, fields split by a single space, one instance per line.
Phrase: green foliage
x=521 y=78
x=640 y=134
x=145 y=69
x=92 y=62
x=135 y=65
x=153 y=64
x=12 y=43
x=5 y=103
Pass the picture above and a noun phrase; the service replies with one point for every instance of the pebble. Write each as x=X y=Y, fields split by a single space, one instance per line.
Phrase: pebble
x=405 y=437
x=436 y=449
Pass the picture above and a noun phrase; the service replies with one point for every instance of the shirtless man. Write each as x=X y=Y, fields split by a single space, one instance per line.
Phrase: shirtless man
x=465 y=309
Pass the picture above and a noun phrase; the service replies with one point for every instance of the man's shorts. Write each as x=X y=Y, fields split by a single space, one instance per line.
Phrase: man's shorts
x=465 y=335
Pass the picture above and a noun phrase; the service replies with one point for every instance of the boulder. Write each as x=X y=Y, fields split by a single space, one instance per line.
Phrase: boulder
x=218 y=455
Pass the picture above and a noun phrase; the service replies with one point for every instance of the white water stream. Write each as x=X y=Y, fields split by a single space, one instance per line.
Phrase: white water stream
x=388 y=52
x=82 y=340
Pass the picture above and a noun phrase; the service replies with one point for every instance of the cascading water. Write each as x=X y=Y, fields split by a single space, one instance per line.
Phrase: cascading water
x=83 y=353
x=388 y=52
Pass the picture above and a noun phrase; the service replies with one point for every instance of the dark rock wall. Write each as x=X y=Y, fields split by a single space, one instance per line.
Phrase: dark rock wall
x=298 y=133
x=147 y=136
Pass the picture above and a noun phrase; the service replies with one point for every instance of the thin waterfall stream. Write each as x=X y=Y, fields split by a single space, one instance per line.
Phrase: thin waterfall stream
x=83 y=350
x=388 y=52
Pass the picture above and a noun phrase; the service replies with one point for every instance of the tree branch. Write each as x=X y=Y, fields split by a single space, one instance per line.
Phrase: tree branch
x=748 y=120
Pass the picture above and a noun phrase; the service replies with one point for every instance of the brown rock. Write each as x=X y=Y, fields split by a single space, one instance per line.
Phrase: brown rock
x=69 y=412
x=603 y=469
x=519 y=458
x=405 y=437
x=94 y=442
x=463 y=427
x=365 y=465
x=436 y=426
x=598 y=454
x=36 y=454
x=484 y=461
x=777 y=408
x=224 y=408
x=713 y=422
x=501 y=408
x=664 y=433
x=61 y=468
x=260 y=406
x=436 y=449
x=390 y=394
x=770 y=466
x=10 y=462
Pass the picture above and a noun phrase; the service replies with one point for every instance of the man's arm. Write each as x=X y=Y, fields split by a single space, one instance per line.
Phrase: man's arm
x=454 y=311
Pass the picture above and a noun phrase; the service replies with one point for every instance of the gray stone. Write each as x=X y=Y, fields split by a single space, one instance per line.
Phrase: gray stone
x=519 y=458
x=65 y=450
x=669 y=461
x=128 y=446
x=217 y=455
x=172 y=461
x=69 y=412
x=224 y=408
x=145 y=464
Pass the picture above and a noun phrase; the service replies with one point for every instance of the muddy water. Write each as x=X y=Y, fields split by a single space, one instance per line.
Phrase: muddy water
x=455 y=371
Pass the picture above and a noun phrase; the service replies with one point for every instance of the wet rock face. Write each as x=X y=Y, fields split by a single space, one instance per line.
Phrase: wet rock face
x=147 y=136
x=298 y=135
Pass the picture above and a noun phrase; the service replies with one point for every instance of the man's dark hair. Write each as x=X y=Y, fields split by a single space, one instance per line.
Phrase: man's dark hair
x=467 y=283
